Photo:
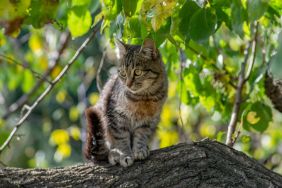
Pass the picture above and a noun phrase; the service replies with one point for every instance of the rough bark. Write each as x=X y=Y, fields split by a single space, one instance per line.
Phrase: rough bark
x=201 y=164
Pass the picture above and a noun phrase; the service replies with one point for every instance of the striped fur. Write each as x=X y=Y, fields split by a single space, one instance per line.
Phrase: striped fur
x=121 y=124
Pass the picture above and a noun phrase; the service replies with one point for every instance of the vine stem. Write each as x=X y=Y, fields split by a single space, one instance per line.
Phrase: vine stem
x=50 y=87
x=243 y=78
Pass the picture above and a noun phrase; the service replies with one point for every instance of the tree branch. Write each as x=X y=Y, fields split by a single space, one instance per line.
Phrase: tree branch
x=200 y=164
x=50 y=87
x=242 y=80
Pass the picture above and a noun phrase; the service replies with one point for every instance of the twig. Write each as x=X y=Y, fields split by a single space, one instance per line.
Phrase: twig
x=182 y=61
x=54 y=62
x=242 y=80
x=98 y=76
x=36 y=74
x=50 y=87
x=254 y=52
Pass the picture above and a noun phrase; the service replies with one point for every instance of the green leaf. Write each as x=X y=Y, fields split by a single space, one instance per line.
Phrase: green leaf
x=202 y=24
x=192 y=81
x=27 y=81
x=79 y=21
x=10 y=10
x=80 y=3
x=132 y=27
x=256 y=8
x=223 y=17
x=3 y=136
x=245 y=139
x=238 y=16
x=41 y=12
x=185 y=15
x=112 y=8
x=276 y=62
x=129 y=7
x=257 y=117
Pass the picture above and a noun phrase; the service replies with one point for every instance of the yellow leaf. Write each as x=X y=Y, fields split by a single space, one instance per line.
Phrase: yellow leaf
x=43 y=62
x=93 y=98
x=59 y=136
x=75 y=132
x=252 y=117
x=61 y=96
x=166 y=115
x=56 y=71
x=74 y=113
x=35 y=43
x=2 y=122
x=207 y=102
x=207 y=130
x=65 y=150
x=167 y=138
x=234 y=44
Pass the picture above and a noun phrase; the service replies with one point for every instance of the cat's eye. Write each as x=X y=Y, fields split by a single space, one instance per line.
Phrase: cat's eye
x=137 y=72
x=122 y=73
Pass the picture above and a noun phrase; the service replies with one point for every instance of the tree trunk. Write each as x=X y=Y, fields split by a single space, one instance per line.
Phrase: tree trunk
x=201 y=164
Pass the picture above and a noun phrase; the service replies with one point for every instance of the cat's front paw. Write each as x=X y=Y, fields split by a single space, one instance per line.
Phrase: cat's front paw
x=141 y=153
x=115 y=156
x=126 y=161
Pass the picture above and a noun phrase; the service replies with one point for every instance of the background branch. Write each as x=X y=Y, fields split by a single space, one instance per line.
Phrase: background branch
x=54 y=62
x=25 y=66
x=242 y=80
x=50 y=87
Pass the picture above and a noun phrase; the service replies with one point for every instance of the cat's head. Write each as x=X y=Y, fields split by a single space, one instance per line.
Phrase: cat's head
x=139 y=66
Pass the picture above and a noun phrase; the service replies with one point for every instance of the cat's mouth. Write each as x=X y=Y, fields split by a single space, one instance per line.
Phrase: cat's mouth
x=134 y=90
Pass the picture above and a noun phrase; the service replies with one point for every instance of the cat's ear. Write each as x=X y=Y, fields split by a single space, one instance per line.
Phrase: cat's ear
x=149 y=49
x=121 y=48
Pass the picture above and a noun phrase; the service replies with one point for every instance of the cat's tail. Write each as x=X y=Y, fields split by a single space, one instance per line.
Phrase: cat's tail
x=95 y=148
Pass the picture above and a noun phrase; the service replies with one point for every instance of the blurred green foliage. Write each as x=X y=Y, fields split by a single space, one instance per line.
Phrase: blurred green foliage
x=202 y=45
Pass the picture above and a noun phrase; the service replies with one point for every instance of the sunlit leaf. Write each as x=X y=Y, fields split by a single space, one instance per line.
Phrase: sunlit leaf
x=35 y=43
x=257 y=116
x=80 y=2
x=74 y=113
x=75 y=132
x=63 y=151
x=27 y=81
x=93 y=98
x=167 y=138
x=245 y=139
x=79 y=21
x=59 y=136
x=56 y=71
x=252 y=117
x=10 y=10
x=61 y=96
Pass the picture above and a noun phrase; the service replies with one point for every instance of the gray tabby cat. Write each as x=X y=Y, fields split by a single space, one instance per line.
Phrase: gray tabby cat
x=121 y=124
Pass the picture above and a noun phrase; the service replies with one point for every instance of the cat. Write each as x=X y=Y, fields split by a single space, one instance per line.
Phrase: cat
x=121 y=124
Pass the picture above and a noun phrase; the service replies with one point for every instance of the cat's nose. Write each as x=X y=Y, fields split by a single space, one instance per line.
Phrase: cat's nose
x=129 y=83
